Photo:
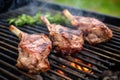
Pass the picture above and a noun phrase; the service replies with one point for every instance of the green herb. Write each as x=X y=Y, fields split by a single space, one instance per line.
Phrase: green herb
x=27 y=19
x=58 y=18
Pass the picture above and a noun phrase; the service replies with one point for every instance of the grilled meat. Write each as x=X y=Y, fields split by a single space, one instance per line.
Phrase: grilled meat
x=65 y=40
x=94 y=31
x=33 y=51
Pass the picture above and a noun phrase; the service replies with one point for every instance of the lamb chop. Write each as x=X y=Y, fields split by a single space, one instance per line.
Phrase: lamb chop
x=33 y=51
x=94 y=31
x=65 y=40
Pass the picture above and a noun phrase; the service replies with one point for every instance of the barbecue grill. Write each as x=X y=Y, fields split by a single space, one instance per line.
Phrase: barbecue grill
x=88 y=64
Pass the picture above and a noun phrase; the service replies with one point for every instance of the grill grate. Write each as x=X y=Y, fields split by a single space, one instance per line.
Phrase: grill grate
x=101 y=56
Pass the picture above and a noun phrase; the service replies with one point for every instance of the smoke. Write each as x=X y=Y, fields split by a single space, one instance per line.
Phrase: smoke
x=87 y=6
x=34 y=7
x=78 y=4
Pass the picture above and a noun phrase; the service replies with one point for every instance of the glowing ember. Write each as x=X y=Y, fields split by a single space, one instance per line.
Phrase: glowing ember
x=63 y=66
x=61 y=72
x=85 y=69
x=91 y=72
x=77 y=60
x=81 y=67
x=72 y=64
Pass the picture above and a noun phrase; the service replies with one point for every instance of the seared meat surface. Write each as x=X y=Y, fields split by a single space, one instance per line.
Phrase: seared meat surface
x=65 y=40
x=94 y=31
x=33 y=51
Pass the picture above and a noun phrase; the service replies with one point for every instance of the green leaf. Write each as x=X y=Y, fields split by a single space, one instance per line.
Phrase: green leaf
x=18 y=22
x=11 y=20
x=27 y=19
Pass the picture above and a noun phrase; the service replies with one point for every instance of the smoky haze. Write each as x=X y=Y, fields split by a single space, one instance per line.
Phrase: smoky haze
x=33 y=8
x=78 y=3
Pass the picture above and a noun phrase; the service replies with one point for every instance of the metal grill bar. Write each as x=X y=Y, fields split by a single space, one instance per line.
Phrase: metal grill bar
x=117 y=36
x=3 y=78
x=14 y=68
x=7 y=44
x=60 y=60
x=65 y=77
x=71 y=59
x=98 y=59
x=100 y=56
x=108 y=52
x=9 y=74
x=115 y=42
x=116 y=33
x=98 y=65
x=109 y=48
x=69 y=72
x=112 y=45
x=8 y=40
x=48 y=77
x=5 y=57
x=116 y=39
x=10 y=52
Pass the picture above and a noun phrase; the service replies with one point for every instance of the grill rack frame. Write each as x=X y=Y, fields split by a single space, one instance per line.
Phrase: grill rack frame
x=11 y=46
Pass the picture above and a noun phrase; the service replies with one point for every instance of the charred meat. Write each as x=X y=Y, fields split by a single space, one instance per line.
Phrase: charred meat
x=65 y=40
x=33 y=51
x=94 y=31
